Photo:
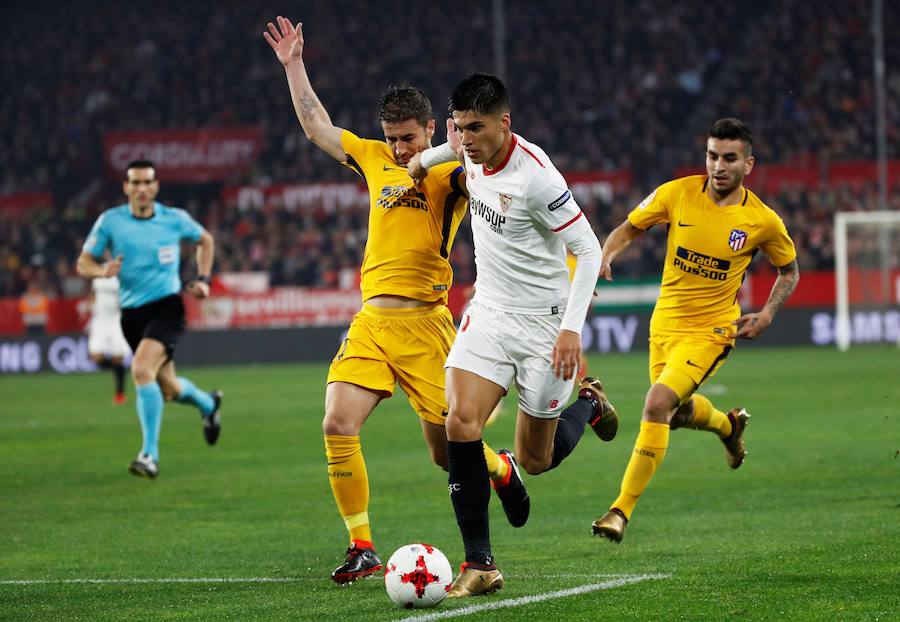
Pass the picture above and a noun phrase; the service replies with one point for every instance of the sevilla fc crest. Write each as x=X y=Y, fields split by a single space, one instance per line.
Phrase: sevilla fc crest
x=737 y=239
x=505 y=202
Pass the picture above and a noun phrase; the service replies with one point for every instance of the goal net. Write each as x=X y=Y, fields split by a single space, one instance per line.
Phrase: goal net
x=867 y=271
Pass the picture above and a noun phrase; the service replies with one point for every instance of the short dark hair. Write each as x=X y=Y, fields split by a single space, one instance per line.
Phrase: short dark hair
x=400 y=103
x=139 y=164
x=730 y=128
x=481 y=93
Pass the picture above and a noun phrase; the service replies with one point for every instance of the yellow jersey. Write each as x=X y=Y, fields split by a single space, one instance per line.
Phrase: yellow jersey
x=411 y=229
x=708 y=250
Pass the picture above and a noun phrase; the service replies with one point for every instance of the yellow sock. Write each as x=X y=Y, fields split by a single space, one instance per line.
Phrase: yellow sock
x=649 y=451
x=497 y=468
x=707 y=418
x=350 y=484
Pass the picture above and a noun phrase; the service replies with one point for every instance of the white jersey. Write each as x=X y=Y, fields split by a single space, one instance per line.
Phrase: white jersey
x=106 y=300
x=518 y=209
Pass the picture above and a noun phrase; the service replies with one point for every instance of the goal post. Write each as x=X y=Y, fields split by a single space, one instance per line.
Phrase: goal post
x=867 y=266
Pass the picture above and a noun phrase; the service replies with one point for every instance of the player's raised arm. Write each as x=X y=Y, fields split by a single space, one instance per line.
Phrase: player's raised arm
x=287 y=42
x=617 y=242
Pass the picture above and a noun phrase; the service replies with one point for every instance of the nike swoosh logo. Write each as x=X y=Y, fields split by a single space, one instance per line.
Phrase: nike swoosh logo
x=694 y=364
x=393 y=168
x=682 y=224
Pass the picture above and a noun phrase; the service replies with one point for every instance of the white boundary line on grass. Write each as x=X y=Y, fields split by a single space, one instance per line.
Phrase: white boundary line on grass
x=139 y=581
x=535 y=598
x=163 y=580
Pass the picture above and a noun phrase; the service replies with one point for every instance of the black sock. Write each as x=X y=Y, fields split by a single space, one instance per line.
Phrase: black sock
x=106 y=363
x=470 y=492
x=119 y=372
x=570 y=428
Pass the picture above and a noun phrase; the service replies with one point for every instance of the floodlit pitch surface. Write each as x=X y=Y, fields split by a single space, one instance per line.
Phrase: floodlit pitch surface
x=807 y=529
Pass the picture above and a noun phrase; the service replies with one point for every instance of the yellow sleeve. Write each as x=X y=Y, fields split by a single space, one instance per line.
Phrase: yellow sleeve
x=357 y=152
x=653 y=210
x=778 y=245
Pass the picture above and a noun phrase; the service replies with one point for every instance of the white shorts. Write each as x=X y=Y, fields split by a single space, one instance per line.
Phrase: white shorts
x=107 y=338
x=500 y=346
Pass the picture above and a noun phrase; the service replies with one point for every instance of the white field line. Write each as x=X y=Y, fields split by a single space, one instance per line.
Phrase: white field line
x=163 y=580
x=535 y=598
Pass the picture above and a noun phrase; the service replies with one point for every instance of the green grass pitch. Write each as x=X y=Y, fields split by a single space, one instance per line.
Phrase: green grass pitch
x=807 y=529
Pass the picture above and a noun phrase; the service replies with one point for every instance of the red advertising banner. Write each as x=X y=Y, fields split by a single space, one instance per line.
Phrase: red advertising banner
x=184 y=155
x=279 y=307
x=18 y=204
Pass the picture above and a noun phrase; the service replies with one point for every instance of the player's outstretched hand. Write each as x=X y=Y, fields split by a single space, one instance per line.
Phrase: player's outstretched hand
x=566 y=354
x=751 y=325
x=606 y=271
x=198 y=289
x=286 y=40
x=112 y=268
x=415 y=169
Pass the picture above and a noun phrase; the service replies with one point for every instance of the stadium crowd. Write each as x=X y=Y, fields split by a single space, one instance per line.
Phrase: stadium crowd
x=627 y=87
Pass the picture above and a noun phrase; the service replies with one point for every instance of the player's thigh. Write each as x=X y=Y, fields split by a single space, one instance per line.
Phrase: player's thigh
x=361 y=360
x=166 y=322
x=534 y=441
x=417 y=348
x=471 y=398
x=691 y=360
x=347 y=407
x=541 y=393
x=148 y=359
x=479 y=348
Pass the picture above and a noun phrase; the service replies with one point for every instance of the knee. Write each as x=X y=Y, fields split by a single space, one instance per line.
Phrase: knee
x=141 y=374
x=169 y=392
x=440 y=459
x=657 y=410
x=533 y=465
x=462 y=425
x=337 y=422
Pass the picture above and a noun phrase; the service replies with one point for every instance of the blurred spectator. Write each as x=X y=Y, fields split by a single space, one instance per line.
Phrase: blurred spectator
x=34 y=305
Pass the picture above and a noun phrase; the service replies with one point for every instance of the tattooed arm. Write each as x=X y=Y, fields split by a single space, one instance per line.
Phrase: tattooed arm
x=287 y=43
x=751 y=325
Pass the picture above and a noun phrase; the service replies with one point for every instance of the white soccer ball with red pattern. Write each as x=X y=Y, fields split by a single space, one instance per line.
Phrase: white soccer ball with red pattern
x=417 y=575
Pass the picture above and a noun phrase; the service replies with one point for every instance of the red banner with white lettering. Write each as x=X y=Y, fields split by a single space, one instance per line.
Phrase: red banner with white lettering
x=184 y=155
x=279 y=307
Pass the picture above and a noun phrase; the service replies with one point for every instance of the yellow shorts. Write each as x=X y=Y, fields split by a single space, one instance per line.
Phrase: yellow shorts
x=683 y=362
x=406 y=346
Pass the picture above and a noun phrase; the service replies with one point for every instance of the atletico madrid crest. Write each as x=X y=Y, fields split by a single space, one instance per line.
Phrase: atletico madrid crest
x=505 y=202
x=737 y=239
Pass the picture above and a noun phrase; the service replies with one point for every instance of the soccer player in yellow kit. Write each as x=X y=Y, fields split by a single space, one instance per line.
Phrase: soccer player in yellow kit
x=716 y=226
x=404 y=330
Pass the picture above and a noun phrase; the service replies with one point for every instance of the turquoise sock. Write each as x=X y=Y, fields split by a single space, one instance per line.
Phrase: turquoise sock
x=190 y=394
x=149 y=409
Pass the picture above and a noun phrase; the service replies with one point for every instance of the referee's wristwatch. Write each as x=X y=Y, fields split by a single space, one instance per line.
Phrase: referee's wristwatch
x=203 y=279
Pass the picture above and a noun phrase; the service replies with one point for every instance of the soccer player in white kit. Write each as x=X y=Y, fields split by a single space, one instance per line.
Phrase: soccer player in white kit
x=525 y=319
x=106 y=343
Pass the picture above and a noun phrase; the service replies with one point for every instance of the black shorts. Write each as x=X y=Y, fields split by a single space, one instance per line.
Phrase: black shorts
x=162 y=320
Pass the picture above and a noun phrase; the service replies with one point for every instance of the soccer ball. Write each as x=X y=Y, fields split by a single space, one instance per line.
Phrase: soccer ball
x=417 y=575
